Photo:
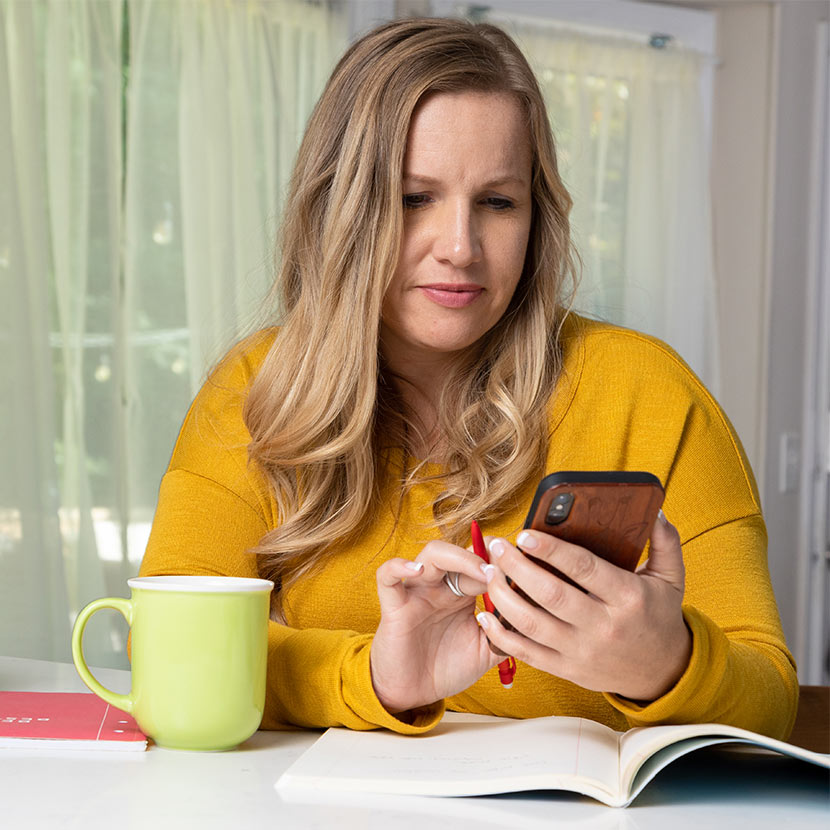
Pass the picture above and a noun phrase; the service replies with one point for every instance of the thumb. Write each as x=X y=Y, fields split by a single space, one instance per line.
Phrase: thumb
x=391 y=587
x=665 y=556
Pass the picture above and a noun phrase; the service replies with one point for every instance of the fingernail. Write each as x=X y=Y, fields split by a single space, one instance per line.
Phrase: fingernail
x=496 y=547
x=489 y=572
x=414 y=566
x=483 y=621
x=526 y=541
x=662 y=516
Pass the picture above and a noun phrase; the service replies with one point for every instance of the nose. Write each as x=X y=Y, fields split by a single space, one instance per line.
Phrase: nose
x=457 y=236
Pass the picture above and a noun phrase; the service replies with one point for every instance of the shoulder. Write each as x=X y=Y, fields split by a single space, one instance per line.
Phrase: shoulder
x=228 y=382
x=209 y=465
x=620 y=365
x=215 y=418
x=642 y=405
x=240 y=365
x=622 y=353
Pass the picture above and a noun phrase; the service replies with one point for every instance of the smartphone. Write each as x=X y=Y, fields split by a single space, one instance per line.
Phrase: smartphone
x=611 y=513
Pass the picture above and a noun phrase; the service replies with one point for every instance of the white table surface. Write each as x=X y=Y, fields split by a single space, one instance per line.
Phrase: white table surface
x=160 y=788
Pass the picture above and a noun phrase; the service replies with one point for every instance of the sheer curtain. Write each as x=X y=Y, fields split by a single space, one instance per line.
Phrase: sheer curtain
x=628 y=121
x=144 y=150
x=59 y=177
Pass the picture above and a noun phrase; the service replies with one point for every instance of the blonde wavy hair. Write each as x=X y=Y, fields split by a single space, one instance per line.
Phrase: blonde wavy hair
x=323 y=413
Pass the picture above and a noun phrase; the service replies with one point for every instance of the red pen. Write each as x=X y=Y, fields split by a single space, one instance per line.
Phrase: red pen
x=507 y=668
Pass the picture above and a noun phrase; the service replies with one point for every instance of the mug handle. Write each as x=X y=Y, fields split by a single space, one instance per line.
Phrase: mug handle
x=125 y=607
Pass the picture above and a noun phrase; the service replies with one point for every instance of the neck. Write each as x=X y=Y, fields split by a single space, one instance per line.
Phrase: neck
x=419 y=385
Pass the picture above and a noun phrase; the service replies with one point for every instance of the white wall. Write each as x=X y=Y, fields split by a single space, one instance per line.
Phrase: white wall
x=795 y=26
x=740 y=199
x=763 y=130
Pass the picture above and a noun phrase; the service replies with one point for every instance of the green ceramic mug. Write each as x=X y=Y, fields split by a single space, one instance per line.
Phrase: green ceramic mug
x=199 y=655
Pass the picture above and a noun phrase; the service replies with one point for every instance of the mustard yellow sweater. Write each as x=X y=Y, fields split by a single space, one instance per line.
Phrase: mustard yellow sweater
x=623 y=402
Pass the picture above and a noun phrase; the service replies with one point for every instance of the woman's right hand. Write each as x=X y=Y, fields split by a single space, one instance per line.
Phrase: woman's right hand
x=428 y=644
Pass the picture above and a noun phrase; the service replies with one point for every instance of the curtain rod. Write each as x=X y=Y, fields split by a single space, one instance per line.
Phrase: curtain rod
x=657 y=40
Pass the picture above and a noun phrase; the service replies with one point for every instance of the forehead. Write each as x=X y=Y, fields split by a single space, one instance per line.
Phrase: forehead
x=468 y=133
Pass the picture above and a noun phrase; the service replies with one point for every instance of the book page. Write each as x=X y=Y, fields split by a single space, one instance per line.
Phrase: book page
x=644 y=751
x=470 y=755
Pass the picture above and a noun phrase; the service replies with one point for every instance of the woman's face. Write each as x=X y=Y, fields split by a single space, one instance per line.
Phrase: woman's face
x=467 y=210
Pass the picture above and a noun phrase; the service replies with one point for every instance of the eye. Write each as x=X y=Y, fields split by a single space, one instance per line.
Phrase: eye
x=499 y=203
x=415 y=200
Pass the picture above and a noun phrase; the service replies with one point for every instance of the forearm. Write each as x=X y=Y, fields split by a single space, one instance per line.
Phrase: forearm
x=741 y=680
x=321 y=678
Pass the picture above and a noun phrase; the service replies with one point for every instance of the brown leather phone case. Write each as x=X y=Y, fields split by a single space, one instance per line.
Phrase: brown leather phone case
x=610 y=513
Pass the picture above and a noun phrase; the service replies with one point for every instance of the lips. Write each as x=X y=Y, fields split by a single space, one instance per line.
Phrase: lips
x=452 y=295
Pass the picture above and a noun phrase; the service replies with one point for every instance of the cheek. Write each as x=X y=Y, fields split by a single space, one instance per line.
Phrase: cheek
x=410 y=252
x=513 y=252
x=519 y=252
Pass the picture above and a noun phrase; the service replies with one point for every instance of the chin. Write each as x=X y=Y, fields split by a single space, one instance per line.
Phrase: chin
x=451 y=345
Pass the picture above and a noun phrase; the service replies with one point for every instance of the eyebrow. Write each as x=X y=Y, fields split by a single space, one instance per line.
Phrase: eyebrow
x=498 y=181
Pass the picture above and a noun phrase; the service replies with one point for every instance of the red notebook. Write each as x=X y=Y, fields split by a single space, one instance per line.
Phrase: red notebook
x=66 y=720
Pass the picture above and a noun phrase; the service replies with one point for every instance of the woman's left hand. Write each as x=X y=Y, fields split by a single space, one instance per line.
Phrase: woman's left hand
x=428 y=644
x=626 y=635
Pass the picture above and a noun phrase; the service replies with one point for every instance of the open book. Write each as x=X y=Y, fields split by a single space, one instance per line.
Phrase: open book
x=479 y=755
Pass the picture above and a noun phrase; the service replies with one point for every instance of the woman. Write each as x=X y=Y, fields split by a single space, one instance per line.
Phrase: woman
x=426 y=373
